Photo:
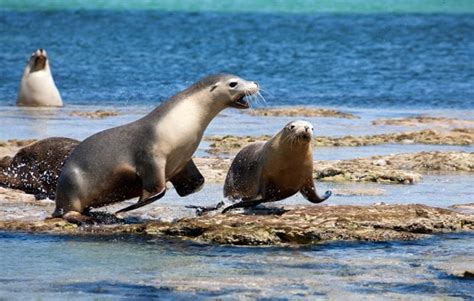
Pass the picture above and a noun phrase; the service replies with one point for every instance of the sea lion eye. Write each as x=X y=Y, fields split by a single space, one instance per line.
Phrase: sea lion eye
x=292 y=127
x=233 y=84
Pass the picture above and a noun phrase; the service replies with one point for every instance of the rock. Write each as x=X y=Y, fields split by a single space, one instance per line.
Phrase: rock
x=302 y=112
x=298 y=225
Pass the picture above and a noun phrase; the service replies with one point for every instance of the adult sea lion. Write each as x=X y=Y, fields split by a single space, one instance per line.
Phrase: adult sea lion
x=273 y=170
x=137 y=159
x=37 y=88
x=35 y=168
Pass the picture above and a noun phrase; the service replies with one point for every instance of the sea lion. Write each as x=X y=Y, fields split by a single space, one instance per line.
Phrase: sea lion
x=35 y=168
x=273 y=170
x=137 y=159
x=37 y=88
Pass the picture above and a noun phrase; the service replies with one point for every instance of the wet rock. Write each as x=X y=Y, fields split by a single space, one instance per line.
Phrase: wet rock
x=441 y=122
x=358 y=191
x=298 y=225
x=99 y=114
x=302 y=112
x=232 y=144
x=459 y=267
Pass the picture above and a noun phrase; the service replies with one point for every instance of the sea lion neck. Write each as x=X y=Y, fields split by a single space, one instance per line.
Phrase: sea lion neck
x=195 y=103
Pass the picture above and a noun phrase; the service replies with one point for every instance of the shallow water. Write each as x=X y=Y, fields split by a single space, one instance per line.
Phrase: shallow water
x=119 y=267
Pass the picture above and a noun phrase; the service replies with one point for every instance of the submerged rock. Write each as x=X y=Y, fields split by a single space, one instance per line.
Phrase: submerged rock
x=99 y=114
x=297 y=225
x=442 y=122
x=302 y=112
x=232 y=144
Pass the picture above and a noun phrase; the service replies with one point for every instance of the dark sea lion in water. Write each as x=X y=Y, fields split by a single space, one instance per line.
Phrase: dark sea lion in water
x=274 y=170
x=137 y=159
x=37 y=88
x=35 y=168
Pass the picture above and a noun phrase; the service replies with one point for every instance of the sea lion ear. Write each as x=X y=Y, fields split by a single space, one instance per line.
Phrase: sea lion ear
x=214 y=87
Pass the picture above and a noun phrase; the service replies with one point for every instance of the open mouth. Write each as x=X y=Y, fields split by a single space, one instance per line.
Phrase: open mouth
x=242 y=102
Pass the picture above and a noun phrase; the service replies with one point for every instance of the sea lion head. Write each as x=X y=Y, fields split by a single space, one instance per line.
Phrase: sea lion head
x=38 y=60
x=299 y=131
x=231 y=89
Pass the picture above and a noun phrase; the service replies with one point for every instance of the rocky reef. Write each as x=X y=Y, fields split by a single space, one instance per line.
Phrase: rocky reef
x=397 y=169
x=295 y=225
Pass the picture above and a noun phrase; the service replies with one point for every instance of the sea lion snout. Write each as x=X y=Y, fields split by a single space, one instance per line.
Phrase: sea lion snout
x=300 y=128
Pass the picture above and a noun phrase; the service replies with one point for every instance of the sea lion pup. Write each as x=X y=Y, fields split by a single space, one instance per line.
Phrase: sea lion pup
x=137 y=159
x=273 y=170
x=35 y=168
x=37 y=88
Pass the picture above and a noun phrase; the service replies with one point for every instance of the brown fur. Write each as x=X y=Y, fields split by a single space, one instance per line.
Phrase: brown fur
x=275 y=170
x=36 y=168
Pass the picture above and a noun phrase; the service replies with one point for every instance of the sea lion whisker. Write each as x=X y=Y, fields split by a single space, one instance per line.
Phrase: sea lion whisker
x=261 y=97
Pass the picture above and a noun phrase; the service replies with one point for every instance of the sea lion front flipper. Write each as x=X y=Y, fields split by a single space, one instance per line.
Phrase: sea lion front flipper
x=188 y=180
x=309 y=192
x=142 y=202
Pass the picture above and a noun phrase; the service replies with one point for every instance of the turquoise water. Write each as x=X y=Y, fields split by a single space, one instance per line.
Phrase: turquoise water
x=283 y=6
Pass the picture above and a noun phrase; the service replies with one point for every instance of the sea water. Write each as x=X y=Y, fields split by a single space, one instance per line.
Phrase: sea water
x=384 y=59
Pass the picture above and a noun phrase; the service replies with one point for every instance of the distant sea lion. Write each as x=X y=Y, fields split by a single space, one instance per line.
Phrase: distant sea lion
x=35 y=168
x=37 y=88
x=273 y=170
x=138 y=158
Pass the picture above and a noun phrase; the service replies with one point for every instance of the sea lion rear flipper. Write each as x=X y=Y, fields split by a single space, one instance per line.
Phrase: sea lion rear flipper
x=142 y=202
x=309 y=192
x=188 y=180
